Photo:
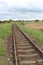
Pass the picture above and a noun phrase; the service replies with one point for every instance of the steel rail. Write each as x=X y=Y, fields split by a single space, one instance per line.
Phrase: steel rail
x=29 y=39
x=14 y=45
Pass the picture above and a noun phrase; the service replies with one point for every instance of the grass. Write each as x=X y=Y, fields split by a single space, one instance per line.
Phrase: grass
x=2 y=63
x=5 y=30
x=34 y=33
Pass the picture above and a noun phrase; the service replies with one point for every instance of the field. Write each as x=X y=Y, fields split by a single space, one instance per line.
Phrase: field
x=35 y=25
x=5 y=31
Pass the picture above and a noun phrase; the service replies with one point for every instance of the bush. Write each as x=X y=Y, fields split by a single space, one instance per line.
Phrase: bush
x=0 y=21
x=36 y=20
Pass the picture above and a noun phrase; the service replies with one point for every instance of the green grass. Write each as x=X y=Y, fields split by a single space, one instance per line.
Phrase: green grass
x=34 y=33
x=2 y=63
x=5 y=30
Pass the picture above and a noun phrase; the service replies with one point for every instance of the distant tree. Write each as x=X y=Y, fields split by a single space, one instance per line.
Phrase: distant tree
x=42 y=20
x=36 y=20
x=23 y=21
x=10 y=20
x=0 y=21
x=4 y=21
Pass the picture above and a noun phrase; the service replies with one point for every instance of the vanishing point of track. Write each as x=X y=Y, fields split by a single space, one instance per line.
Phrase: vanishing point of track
x=25 y=51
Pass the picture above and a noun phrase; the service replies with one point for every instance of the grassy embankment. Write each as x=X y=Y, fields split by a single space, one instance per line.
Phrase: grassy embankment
x=34 y=33
x=5 y=30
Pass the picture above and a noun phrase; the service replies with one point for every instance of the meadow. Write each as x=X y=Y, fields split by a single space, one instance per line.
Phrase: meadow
x=35 y=25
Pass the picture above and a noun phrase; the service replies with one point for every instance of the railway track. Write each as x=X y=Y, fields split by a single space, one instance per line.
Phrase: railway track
x=26 y=52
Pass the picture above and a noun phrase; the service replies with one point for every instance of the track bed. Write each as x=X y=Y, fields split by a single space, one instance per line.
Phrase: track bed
x=26 y=53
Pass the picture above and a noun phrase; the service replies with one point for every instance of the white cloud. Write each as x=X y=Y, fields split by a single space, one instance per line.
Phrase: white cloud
x=17 y=2
x=21 y=9
x=24 y=3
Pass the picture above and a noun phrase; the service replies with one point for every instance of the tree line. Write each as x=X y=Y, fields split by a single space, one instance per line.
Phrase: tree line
x=18 y=21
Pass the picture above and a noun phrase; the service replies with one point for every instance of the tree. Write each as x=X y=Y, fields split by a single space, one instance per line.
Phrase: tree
x=36 y=20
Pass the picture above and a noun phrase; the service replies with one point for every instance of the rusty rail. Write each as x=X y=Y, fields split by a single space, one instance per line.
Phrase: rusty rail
x=29 y=39
x=14 y=46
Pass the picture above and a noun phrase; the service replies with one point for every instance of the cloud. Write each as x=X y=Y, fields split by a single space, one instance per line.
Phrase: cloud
x=21 y=9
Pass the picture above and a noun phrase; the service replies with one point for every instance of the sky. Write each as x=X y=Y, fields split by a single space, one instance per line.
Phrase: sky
x=21 y=9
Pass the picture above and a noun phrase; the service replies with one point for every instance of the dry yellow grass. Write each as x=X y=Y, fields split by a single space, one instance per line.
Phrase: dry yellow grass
x=35 y=25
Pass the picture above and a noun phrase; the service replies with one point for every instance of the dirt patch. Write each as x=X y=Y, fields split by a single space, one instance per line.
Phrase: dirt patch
x=38 y=25
x=9 y=50
x=3 y=57
x=41 y=30
x=7 y=58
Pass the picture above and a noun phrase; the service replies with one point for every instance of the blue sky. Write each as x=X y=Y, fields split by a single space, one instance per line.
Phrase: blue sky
x=21 y=9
